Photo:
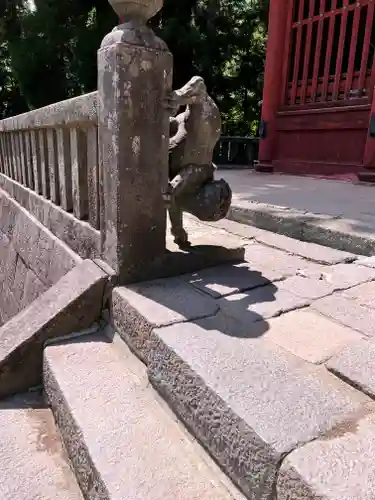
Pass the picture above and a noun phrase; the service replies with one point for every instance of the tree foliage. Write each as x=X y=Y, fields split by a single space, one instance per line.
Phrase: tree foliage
x=48 y=52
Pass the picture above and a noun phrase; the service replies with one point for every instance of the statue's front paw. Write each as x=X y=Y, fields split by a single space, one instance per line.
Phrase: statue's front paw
x=181 y=239
x=182 y=244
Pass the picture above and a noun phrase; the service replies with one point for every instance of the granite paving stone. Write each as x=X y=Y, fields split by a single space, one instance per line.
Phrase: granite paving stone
x=248 y=232
x=121 y=442
x=343 y=276
x=271 y=260
x=356 y=364
x=260 y=303
x=310 y=335
x=249 y=401
x=338 y=466
x=367 y=261
x=33 y=463
x=225 y=280
x=309 y=251
x=363 y=294
x=307 y=288
x=348 y=312
x=137 y=309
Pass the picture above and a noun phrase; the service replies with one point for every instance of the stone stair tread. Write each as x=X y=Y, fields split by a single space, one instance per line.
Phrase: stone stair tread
x=247 y=399
x=110 y=417
x=33 y=465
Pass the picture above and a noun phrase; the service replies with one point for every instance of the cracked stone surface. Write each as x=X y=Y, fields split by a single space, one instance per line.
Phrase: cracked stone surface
x=335 y=467
x=269 y=363
x=243 y=352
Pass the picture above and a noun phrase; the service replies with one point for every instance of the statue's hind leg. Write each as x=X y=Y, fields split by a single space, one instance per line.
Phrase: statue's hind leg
x=177 y=228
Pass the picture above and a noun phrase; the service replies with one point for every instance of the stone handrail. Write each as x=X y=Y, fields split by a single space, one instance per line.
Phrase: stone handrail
x=54 y=152
x=80 y=110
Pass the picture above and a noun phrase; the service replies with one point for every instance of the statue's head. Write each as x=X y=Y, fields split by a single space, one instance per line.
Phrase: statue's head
x=211 y=203
x=194 y=91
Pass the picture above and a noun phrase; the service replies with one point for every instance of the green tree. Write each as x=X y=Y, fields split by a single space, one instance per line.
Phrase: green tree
x=51 y=51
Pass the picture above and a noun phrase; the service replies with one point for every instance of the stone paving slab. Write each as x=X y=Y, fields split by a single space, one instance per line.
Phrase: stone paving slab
x=339 y=466
x=342 y=276
x=278 y=262
x=33 y=464
x=240 y=351
x=225 y=280
x=120 y=440
x=363 y=294
x=309 y=335
x=369 y=262
x=248 y=401
x=138 y=309
x=307 y=288
x=310 y=209
x=231 y=226
x=309 y=251
x=356 y=365
x=348 y=312
x=260 y=304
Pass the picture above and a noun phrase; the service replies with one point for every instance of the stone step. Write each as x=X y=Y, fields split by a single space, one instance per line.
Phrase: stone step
x=246 y=399
x=33 y=465
x=122 y=440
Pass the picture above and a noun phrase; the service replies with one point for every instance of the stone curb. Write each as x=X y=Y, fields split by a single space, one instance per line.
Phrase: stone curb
x=302 y=226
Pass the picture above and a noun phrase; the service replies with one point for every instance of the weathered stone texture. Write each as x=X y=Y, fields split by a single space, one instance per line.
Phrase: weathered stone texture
x=338 y=466
x=368 y=262
x=33 y=463
x=224 y=280
x=80 y=236
x=363 y=294
x=356 y=365
x=261 y=303
x=307 y=288
x=71 y=305
x=249 y=401
x=276 y=264
x=31 y=258
x=77 y=111
x=310 y=335
x=136 y=310
x=121 y=441
x=348 y=312
x=309 y=251
x=134 y=147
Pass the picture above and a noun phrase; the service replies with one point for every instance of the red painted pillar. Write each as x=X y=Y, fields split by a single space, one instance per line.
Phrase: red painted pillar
x=368 y=174
x=274 y=79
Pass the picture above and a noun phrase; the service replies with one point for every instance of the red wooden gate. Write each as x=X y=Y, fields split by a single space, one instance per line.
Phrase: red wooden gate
x=330 y=51
x=320 y=125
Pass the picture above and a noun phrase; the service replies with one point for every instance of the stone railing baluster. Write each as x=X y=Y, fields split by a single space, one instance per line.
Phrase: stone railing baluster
x=64 y=168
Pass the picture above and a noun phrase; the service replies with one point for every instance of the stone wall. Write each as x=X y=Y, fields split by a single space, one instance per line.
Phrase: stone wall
x=31 y=258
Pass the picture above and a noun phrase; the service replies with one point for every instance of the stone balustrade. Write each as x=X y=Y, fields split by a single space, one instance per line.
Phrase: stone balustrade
x=54 y=152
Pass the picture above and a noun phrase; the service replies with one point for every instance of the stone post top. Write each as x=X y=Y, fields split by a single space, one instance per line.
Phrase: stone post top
x=142 y=10
x=134 y=15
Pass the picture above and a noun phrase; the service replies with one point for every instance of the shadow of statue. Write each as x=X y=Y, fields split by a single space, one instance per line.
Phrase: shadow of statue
x=231 y=295
x=239 y=292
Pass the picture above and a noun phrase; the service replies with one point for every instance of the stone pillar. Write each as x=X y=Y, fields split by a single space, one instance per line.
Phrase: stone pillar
x=134 y=77
x=274 y=80
x=368 y=172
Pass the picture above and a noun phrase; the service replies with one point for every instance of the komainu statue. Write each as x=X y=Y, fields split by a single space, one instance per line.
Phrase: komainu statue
x=193 y=136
